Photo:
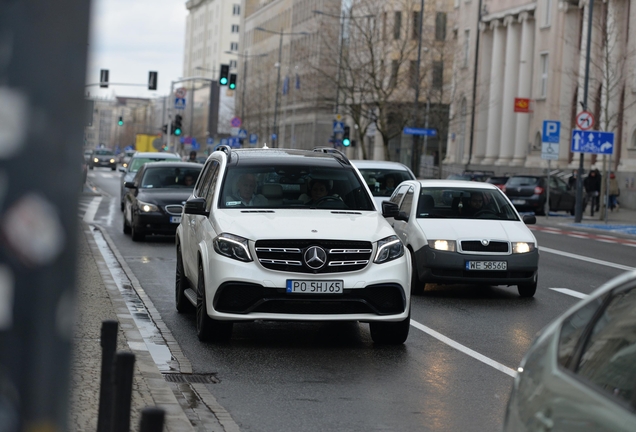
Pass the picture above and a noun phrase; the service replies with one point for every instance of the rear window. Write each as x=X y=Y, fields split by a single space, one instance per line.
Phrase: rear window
x=522 y=181
x=382 y=182
x=104 y=152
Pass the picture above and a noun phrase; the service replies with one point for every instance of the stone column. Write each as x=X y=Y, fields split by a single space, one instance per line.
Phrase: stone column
x=525 y=87
x=510 y=85
x=483 y=90
x=496 y=92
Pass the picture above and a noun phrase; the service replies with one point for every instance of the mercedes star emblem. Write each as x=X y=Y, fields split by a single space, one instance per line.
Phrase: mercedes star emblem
x=315 y=257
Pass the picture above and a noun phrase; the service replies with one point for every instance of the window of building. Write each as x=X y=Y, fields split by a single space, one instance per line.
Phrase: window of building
x=440 y=26
x=632 y=142
x=236 y=9
x=395 y=67
x=547 y=13
x=543 y=74
x=466 y=48
x=416 y=25
x=413 y=73
x=438 y=74
x=232 y=64
x=235 y=28
x=233 y=46
x=397 y=25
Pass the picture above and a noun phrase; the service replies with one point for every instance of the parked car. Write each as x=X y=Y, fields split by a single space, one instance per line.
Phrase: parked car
x=136 y=161
x=155 y=198
x=529 y=193
x=249 y=247
x=471 y=175
x=499 y=181
x=580 y=372
x=125 y=157
x=382 y=177
x=103 y=158
x=462 y=232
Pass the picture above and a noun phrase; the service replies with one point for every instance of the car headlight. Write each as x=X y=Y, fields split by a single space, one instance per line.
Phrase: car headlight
x=443 y=245
x=147 y=207
x=522 y=247
x=389 y=249
x=125 y=165
x=95 y=160
x=232 y=246
x=112 y=161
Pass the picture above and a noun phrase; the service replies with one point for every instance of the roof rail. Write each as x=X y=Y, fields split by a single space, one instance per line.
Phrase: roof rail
x=225 y=149
x=337 y=153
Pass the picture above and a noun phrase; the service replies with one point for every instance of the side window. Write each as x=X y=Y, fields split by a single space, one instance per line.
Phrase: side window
x=407 y=202
x=572 y=330
x=398 y=194
x=214 y=175
x=609 y=358
x=204 y=180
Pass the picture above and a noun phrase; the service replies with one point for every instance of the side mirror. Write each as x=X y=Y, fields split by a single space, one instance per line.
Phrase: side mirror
x=122 y=169
x=529 y=219
x=195 y=206
x=389 y=209
x=402 y=216
x=130 y=185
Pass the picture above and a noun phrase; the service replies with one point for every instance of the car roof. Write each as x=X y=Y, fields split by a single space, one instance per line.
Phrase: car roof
x=176 y=164
x=151 y=155
x=464 y=184
x=364 y=163
x=286 y=157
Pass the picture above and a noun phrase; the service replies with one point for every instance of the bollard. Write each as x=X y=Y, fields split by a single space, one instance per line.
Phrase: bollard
x=124 y=364
x=152 y=419
x=109 y=345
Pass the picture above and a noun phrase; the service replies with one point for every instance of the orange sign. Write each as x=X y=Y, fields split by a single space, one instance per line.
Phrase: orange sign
x=522 y=105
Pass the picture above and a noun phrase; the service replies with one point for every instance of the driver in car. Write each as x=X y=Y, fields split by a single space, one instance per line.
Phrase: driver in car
x=317 y=189
x=476 y=204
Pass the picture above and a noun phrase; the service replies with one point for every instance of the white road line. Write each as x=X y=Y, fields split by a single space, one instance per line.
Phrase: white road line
x=570 y=292
x=577 y=236
x=474 y=354
x=92 y=209
x=587 y=259
x=606 y=241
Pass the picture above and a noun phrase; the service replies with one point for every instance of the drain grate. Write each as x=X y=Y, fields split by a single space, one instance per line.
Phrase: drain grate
x=191 y=378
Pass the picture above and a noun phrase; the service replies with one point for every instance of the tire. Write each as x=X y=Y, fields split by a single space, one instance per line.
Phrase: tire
x=417 y=287
x=113 y=168
x=390 y=333
x=528 y=290
x=121 y=206
x=137 y=234
x=126 y=226
x=207 y=328
x=182 y=304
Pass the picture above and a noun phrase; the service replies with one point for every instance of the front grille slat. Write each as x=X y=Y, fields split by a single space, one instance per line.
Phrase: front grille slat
x=501 y=247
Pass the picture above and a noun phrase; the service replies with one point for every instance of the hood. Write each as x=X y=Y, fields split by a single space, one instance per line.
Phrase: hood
x=304 y=224
x=162 y=197
x=442 y=229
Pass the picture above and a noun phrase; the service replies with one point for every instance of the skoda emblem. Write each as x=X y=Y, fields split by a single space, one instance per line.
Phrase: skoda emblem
x=485 y=242
x=315 y=257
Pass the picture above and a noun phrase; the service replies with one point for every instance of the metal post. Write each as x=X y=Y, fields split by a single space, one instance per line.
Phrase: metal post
x=123 y=379
x=280 y=53
x=342 y=24
x=547 y=211
x=415 y=165
x=243 y=92
x=428 y=108
x=169 y=119
x=473 y=102
x=109 y=346
x=578 y=214
x=607 y=182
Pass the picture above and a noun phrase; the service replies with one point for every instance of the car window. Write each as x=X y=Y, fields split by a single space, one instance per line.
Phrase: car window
x=407 y=202
x=203 y=184
x=211 y=187
x=104 y=152
x=136 y=163
x=522 y=181
x=382 y=182
x=170 y=177
x=608 y=359
x=572 y=330
x=398 y=194
x=464 y=203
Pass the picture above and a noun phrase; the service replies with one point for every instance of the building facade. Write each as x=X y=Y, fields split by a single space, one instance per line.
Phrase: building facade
x=536 y=51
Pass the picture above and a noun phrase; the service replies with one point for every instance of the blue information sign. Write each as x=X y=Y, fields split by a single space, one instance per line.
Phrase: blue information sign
x=551 y=131
x=253 y=138
x=419 y=131
x=595 y=142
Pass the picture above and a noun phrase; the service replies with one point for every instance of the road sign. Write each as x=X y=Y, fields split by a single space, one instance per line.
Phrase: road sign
x=592 y=142
x=181 y=92
x=522 y=105
x=179 y=103
x=585 y=120
x=210 y=141
x=234 y=131
x=233 y=142
x=195 y=144
x=236 y=122
x=253 y=138
x=550 y=151
x=338 y=127
x=419 y=131
x=551 y=131
x=338 y=117
x=242 y=133
x=223 y=141
x=274 y=136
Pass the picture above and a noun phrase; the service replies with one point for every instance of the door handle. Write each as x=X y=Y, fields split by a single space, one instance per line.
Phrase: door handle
x=545 y=420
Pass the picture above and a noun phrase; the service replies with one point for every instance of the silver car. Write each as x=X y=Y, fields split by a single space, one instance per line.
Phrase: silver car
x=580 y=372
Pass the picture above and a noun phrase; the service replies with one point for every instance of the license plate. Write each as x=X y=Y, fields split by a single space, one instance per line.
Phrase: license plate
x=314 y=287
x=486 y=265
x=175 y=219
x=519 y=202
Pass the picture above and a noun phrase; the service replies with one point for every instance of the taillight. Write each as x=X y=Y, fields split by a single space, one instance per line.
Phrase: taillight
x=538 y=190
x=503 y=188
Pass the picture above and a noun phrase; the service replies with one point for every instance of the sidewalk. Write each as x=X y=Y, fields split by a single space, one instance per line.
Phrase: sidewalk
x=618 y=222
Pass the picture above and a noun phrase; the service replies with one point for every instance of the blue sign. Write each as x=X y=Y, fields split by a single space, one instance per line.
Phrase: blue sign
x=274 y=136
x=223 y=141
x=210 y=141
x=338 y=126
x=551 y=131
x=179 y=103
x=233 y=142
x=592 y=142
x=129 y=148
x=419 y=131
x=253 y=138
x=242 y=133
x=195 y=144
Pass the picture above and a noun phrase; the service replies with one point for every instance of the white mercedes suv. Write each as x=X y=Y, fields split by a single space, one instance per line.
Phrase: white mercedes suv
x=290 y=235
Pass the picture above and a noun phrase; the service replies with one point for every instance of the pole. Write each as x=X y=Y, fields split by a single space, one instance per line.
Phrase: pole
x=342 y=23
x=275 y=129
x=415 y=166
x=547 y=211
x=243 y=92
x=428 y=108
x=578 y=216
x=169 y=118
x=473 y=102
x=607 y=182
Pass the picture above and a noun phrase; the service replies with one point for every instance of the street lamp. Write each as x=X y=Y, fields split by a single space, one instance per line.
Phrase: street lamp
x=280 y=52
x=245 y=57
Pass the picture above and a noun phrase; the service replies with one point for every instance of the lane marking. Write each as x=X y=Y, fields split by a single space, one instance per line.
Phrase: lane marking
x=578 y=236
x=474 y=354
x=92 y=209
x=570 y=292
x=587 y=259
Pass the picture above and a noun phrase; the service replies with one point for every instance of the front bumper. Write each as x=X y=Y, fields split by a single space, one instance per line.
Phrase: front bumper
x=436 y=266
x=155 y=223
x=105 y=163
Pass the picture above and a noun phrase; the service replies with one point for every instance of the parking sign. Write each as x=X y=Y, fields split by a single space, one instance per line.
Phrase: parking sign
x=551 y=131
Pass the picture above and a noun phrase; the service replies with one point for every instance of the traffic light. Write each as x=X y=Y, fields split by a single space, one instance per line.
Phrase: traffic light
x=152 y=80
x=176 y=129
x=225 y=73
x=346 y=141
x=121 y=121
x=103 y=78
x=232 y=81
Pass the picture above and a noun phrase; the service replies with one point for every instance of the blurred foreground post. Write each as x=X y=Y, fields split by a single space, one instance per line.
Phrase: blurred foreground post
x=43 y=46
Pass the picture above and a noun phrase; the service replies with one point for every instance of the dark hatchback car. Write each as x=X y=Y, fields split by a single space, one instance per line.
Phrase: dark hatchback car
x=499 y=181
x=103 y=158
x=136 y=161
x=529 y=193
x=155 y=198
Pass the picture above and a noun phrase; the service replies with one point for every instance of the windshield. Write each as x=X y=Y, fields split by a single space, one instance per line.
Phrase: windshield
x=303 y=187
x=170 y=177
x=460 y=203
x=136 y=163
x=104 y=152
x=382 y=182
